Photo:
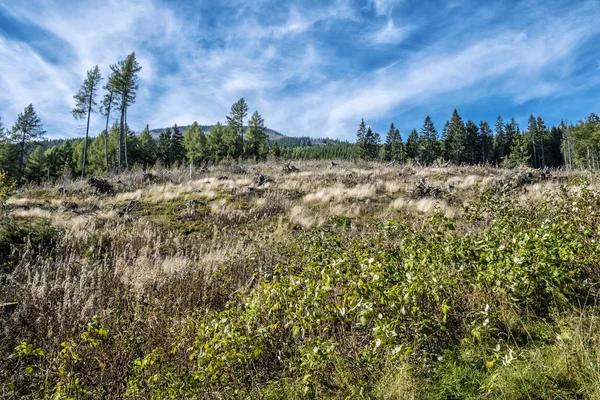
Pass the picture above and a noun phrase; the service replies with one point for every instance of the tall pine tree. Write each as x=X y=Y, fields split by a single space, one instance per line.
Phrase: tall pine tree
x=85 y=105
x=27 y=128
x=456 y=138
x=428 y=142
x=256 y=138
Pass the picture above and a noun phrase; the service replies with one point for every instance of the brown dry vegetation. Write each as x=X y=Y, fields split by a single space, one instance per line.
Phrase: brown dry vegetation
x=137 y=273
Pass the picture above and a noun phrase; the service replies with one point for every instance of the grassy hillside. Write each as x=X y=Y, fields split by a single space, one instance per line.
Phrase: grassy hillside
x=355 y=281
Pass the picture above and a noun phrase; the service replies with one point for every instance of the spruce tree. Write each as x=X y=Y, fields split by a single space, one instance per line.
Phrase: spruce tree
x=85 y=105
x=27 y=128
x=371 y=148
x=487 y=141
x=177 y=149
x=361 y=135
x=215 y=144
x=53 y=162
x=455 y=141
x=393 y=148
x=256 y=138
x=472 y=141
x=412 y=146
x=36 y=165
x=428 y=142
x=164 y=149
x=147 y=148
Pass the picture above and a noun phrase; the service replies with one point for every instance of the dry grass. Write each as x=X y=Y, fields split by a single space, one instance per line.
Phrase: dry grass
x=166 y=257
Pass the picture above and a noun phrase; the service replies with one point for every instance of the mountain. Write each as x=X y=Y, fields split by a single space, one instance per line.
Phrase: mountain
x=273 y=135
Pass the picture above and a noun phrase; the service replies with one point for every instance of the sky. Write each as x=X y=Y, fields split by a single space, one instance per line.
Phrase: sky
x=311 y=68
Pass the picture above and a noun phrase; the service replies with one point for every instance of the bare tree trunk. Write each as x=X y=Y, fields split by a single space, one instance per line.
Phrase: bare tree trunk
x=106 y=130
x=87 y=132
x=21 y=160
x=125 y=140
x=121 y=131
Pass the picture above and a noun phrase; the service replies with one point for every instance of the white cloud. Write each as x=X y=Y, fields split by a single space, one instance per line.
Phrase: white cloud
x=389 y=34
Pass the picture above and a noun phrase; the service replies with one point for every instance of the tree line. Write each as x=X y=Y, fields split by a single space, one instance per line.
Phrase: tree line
x=117 y=147
x=538 y=146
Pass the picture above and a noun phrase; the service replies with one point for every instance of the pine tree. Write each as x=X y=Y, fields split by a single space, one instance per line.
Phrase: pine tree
x=235 y=119
x=393 y=149
x=85 y=105
x=275 y=150
x=472 y=141
x=147 y=148
x=519 y=153
x=510 y=132
x=232 y=141
x=194 y=142
x=428 y=144
x=543 y=136
x=371 y=147
x=412 y=146
x=215 y=144
x=124 y=80
x=164 y=149
x=361 y=135
x=487 y=141
x=256 y=138
x=36 y=165
x=53 y=162
x=27 y=128
x=456 y=138
x=177 y=149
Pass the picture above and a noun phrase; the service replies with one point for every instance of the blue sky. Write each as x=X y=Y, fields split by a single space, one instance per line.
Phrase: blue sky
x=310 y=68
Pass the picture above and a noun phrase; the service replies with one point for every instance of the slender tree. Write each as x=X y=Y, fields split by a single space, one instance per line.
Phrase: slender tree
x=487 y=141
x=215 y=144
x=412 y=146
x=194 y=142
x=147 y=148
x=472 y=141
x=235 y=119
x=393 y=145
x=85 y=105
x=428 y=144
x=456 y=139
x=499 y=140
x=361 y=135
x=27 y=128
x=165 y=148
x=125 y=82
x=109 y=100
x=177 y=149
x=256 y=138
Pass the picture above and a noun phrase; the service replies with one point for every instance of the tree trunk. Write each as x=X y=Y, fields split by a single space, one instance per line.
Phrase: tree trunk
x=106 y=130
x=121 y=131
x=21 y=157
x=87 y=132
x=125 y=140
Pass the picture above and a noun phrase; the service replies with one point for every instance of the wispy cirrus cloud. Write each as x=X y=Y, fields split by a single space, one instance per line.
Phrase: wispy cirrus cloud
x=310 y=69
